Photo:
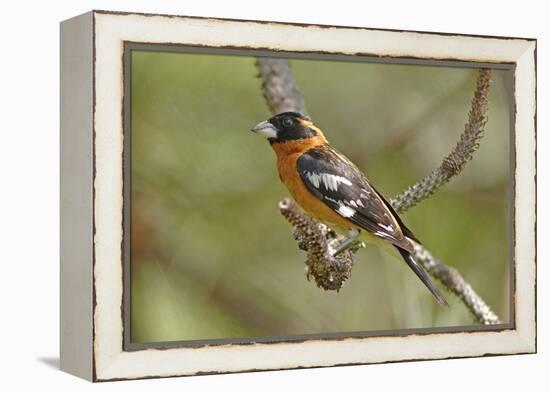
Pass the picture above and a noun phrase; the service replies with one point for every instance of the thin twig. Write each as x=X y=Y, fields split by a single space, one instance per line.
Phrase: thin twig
x=280 y=91
x=455 y=283
x=453 y=164
x=330 y=273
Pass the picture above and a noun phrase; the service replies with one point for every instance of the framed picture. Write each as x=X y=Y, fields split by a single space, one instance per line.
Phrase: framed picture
x=382 y=209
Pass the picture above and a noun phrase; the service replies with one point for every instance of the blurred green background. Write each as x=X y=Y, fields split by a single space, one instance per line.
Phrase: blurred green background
x=213 y=258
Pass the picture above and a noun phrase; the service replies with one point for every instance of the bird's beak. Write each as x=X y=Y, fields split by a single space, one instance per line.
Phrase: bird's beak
x=266 y=129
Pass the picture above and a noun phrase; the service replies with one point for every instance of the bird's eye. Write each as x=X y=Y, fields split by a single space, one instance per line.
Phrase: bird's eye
x=287 y=122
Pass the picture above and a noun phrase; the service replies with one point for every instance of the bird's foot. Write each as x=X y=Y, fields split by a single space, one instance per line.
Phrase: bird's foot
x=347 y=243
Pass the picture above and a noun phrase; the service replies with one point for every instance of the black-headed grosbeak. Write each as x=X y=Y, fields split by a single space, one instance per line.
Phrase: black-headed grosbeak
x=329 y=187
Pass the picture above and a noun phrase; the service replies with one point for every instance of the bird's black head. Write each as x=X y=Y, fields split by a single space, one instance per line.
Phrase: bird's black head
x=287 y=126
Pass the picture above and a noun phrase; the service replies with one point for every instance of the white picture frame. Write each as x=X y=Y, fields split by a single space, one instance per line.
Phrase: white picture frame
x=92 y=194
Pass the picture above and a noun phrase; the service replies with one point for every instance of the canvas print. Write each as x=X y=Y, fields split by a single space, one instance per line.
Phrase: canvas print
x=281 y=198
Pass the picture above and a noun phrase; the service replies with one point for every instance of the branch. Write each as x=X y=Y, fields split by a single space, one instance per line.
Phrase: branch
x=278 y=86
x=454 y=163
x=330 y=273
x=455 y=283
x=318 y=241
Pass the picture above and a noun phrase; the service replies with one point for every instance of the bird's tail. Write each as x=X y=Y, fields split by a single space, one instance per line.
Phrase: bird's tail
x=422 y=275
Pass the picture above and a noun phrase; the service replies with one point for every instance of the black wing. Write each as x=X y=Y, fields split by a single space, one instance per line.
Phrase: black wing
x=337 y=182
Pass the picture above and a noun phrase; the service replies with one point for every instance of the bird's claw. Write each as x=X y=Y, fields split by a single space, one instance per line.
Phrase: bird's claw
x=347 y=243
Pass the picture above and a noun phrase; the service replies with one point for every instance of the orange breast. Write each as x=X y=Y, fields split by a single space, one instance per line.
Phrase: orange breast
x=287 y=156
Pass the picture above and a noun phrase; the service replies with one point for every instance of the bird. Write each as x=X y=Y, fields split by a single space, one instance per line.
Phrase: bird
x=332 y=189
